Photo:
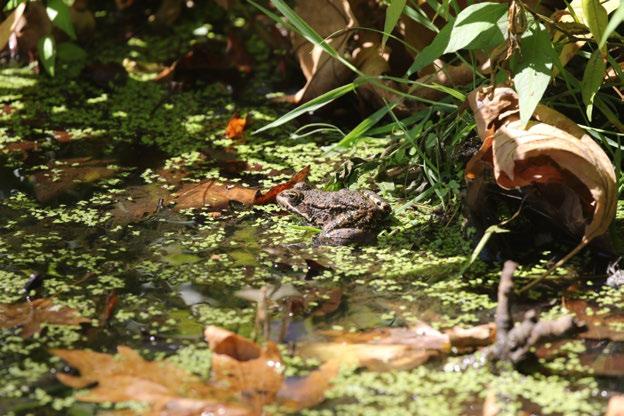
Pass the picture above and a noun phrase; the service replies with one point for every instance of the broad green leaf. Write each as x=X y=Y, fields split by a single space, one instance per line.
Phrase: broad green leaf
x=477 y=26
x=311 y=105
x=592 y=80
x=533 y=70
x=58 y=12
x=615 y=21
x=393 y=13
x=596 y=18
x=8 y=25
x=474 y=22
x=69 y=51
x=433 y=51
x=47 y=53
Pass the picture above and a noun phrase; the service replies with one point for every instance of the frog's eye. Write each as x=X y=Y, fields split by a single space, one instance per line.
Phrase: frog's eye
x=293 y=197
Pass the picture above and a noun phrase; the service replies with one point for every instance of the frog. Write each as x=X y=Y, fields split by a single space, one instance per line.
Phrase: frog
x=345 y=216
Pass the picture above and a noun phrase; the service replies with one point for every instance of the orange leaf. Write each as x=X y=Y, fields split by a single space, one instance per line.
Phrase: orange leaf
x=235 y=127
x=270 y=195
x=30 y=315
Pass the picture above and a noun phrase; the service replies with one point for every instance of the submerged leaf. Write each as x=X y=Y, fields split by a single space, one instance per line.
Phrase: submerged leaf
x=30 y=316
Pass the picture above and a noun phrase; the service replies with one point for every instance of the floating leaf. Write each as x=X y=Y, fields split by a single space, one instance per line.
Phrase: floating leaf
x=235 y=127
x=30 y=315
x=270 y=195
x=601 y=325
x=125 y=377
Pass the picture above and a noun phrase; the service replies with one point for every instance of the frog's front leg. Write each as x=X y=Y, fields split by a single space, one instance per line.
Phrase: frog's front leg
x=341 y=230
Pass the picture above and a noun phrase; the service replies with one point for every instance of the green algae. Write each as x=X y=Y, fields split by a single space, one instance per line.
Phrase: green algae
x=412 y=273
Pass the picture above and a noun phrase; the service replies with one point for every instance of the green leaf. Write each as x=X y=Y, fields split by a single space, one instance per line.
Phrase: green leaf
x=475 y=22
x=592 y=80
x=47 y=53
x=596 y=18
x=615 y=21
x=69 y=51
x=475 y=27
x=393 y=13
x=533 y=69
x=311 y=105
x=58 y=12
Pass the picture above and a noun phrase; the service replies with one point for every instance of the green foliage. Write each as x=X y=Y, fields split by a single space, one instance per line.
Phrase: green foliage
x=592 y=80
x=533 y=69
x=58 y=12
x=46 y=47
x=393 y=14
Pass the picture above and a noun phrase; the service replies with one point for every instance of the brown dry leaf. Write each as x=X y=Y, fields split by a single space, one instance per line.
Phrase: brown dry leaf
x=213 y=195
x=138 y=202
x=600 y=325
x=299 y=393
x=167 y=389
x=321 y=71
x=474 y=337
x=9 y=25
x=574 y=176
x=381 y=349
x=235 y=127
x=616 y=406
x=63 y=176
x=269 y=196
x=255 y=373
x=30 y=316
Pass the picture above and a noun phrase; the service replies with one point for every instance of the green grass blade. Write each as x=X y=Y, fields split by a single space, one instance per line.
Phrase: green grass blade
x=365 y=125
x=393 y=13
x=615 y=21
x=311 y=105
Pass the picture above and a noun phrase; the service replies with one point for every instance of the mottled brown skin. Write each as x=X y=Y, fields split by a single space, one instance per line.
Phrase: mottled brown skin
x=345 y=216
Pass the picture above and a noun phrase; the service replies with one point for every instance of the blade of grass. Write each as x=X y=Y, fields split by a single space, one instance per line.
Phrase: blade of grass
x=393 y=13
x=311 y=105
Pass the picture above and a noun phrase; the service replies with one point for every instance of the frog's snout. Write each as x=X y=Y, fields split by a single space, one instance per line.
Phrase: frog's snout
x=289 y=197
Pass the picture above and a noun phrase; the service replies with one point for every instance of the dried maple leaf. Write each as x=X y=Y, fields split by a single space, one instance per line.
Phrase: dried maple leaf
x=167 y=389
x=30 y=315
x=235 y=127
x=574 y=176
x=299 y=393
x=616 y=406
x=270 y=195
x=256 y=373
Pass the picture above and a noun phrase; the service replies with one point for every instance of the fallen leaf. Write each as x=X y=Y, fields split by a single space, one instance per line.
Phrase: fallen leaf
x=9 y=25
x=269 y=196
x=63 y=176
x=616 y=406
x=167 y=389
x=30 y=316
x=473 y=337
x=299 y=393
x=573 y=178
x=257 y=373
x=235 y=127
x=600 y=325
x=321 y=71
x=381 y=349
x=213 y=195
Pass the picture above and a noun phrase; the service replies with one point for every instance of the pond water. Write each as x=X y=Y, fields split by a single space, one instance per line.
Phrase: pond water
x=86 y=176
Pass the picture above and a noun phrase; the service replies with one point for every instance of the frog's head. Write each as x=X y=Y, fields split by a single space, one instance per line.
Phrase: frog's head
x=293 y=199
